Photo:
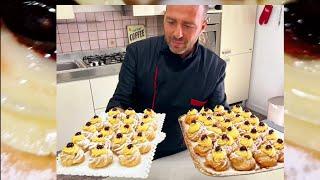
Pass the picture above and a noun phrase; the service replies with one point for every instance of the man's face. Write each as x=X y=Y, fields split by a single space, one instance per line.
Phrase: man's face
x=182 y=27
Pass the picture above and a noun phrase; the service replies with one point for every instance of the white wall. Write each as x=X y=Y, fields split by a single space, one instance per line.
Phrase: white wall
x=267 y=71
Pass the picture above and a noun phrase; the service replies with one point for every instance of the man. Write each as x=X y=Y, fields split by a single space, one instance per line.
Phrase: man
x=172 y=74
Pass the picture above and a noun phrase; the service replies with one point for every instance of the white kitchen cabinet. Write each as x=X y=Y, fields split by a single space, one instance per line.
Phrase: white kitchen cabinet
x=148 y=10
x=238 y=77
x=74 y=109
x=103 y=89
x=237 y=29
x=65 y=12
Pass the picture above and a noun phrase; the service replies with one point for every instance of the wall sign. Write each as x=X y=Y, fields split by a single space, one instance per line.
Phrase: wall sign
x=136 y=33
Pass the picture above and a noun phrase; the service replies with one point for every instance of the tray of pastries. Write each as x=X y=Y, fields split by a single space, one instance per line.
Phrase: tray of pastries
x=233 y=142
x=115 y=144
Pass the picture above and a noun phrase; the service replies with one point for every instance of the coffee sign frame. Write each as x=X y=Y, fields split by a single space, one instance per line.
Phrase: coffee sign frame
x=136 y=33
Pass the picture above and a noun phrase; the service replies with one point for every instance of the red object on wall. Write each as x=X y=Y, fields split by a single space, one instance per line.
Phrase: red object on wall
x=265 y=15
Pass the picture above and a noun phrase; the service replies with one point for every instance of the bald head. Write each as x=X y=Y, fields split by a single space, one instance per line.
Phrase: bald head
x=202 y=8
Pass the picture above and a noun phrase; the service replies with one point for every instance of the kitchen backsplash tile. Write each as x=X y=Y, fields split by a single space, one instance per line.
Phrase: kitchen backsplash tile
x=102 y=30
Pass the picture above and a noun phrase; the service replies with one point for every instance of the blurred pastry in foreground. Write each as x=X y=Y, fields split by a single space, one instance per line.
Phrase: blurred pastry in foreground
x=28 y=90
x=302 y=74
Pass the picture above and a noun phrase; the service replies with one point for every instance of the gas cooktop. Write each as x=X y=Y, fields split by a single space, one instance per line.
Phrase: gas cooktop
x=104 y=59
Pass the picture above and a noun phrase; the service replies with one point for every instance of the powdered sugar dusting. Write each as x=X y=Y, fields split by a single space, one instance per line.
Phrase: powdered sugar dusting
x=300 y=165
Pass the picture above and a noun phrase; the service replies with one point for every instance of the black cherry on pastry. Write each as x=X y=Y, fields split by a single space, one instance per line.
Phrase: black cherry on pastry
x=78 y=133
x=280 y=141
x=70 y=144
x=88 y=124
x=246 y=122
x=270 y=131
x=253 y=130
x=100 y=146
x=129 y=146
x=119 y=135
x=243 y=148
x=106 y=128
x=224 y=136
x=218 y=148
x=204 y=136
x=268 y=146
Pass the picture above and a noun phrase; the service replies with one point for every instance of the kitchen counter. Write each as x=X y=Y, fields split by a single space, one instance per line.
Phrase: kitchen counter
x=180 y=166
x=82 y=72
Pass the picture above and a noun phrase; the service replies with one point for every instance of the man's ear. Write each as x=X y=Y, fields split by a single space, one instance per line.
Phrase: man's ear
x=204 y=26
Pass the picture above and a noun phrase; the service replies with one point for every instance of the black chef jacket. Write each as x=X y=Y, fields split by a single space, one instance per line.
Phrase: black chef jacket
x=151 y=76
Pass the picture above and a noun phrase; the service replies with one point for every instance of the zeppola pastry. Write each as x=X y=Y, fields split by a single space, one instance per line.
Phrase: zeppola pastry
x=114 y=121
x=127 y=135
x=80 y=140
x=107 y=132
x=235 y=139
x=242 y=159
x=142 y=142
x=217 y=159
x=206 y=111
x=149 y=112
x=237 y=109
x=100 y=157
x=130 y=156
x=195 y=131
x=203 y=146
x=219 y=109
x=97 y=121
x=191 y=115
x=89 y=130
x=279 y=146
x=71 y=155
x=266 y=156
x=147 y=130
x=148 y=119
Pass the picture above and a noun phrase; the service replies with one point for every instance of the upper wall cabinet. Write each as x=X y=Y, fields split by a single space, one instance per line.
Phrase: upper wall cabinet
x=237 y=29
x=148 y=10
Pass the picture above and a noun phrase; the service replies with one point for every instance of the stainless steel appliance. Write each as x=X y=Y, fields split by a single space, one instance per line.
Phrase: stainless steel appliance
x=210 y=38
x=103 y=59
